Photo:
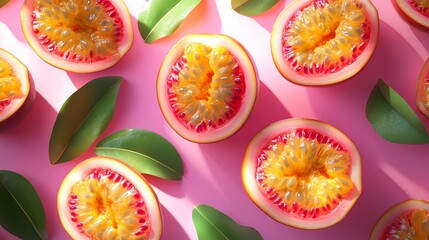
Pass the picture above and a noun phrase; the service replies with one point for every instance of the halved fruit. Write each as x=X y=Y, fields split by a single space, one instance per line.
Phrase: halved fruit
x=423 y=90
x=76 y=35
x=15 y=86
x=207 y=87
x=303 y=173
x=103 y=198
x=321 y=42
x=407 y=220
x=416 y=11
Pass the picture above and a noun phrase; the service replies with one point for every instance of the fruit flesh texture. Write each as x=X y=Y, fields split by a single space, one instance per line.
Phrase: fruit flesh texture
x=413 y=225
x=205 y=87
x=78 y=30
x=422 y=6
x=304 y=173
x=105 y=205
x=426 y=93
x=10 y=86
x=325 y=37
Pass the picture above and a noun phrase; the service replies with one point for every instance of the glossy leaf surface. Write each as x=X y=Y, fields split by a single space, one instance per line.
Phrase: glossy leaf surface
x=160 y=18
x=252 y=7
x=392 y=117
x=83 y=118
x=144 y=150
x=211 y=224
x=21 y=211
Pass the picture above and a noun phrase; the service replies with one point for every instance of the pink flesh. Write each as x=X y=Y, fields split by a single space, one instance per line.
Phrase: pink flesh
x=4 y=103
x=422 y=10
x=208 y=125
x=51 y=46
x=113 y=176
x=294 y=209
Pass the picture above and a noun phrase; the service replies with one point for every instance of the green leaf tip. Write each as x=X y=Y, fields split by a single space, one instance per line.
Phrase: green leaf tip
x=83 y=117
x=252 y=7
x=211 y=224
x=160 y=18
x=392 y=117
x=145 y=151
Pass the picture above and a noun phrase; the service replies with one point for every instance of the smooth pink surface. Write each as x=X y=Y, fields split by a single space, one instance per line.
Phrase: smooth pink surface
x=391 y=172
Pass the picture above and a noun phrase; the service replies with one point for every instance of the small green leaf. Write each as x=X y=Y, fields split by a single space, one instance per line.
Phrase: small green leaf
x=83 y=118
x=211 y=224
x=252 y=7
x=392 y=117
x=3 y=2
x=160 y=18
x=21 y=211
x=144 y=150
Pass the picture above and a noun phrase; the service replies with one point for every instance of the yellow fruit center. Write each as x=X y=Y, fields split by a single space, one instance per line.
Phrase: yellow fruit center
x=105 y=205
x=205 y=87
x=78 y=30
x=325 y=36
x=304 y=173
x=412 y=226
x=10 y=86
x=421 y=6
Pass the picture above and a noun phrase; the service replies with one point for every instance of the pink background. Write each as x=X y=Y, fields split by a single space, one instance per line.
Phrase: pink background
x=390 y=172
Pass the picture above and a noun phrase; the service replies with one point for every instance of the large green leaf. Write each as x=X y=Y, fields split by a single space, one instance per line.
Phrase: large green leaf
x=211 y=224
x=21 y=211
x=83 y=118
x=160 y=18
x=252 y=7
x=144 y=150
x=393 y=118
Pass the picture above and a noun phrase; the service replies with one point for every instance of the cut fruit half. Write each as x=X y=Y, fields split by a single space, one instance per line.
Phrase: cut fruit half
x=207 y=87
x=408 y=220
x=321 y=42
x=415 y=11
x=15 y=85
x=303 y=173
x=78 y=36
x=423 y=90
x=103 y=198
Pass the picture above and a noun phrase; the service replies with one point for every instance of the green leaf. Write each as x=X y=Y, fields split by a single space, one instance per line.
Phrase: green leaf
x=392 y=117
x=160 y=18
x=83 y=118
x=211 y=224
x=144 y=150
x=252 y=7
x=3 y=2
x=21 y=211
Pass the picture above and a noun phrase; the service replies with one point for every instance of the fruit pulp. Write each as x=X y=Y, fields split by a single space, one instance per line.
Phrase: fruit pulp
x=105 y=205
x=78 y=30
x=325 y=37
x=10 y=85
x=412 y=225
x=422 y=6
x=304 y=173
x=205 y=87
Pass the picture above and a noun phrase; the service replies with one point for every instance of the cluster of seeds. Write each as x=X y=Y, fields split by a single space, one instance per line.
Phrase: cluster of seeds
x=205 y=87
x=304 y=173
x=414 y=225
x=421 y=5
x=78 y=30
x=10 y=86
x=326 y=36
x=105 y=205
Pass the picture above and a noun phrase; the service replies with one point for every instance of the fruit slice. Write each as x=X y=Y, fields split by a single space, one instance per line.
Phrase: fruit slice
x=78 y=36
x=207 y=87
x=416 y=11
x=102 y=198
x=408 y=220
x=14 y=85
x=423 y=90
x=303 y=173
x=321 y=42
